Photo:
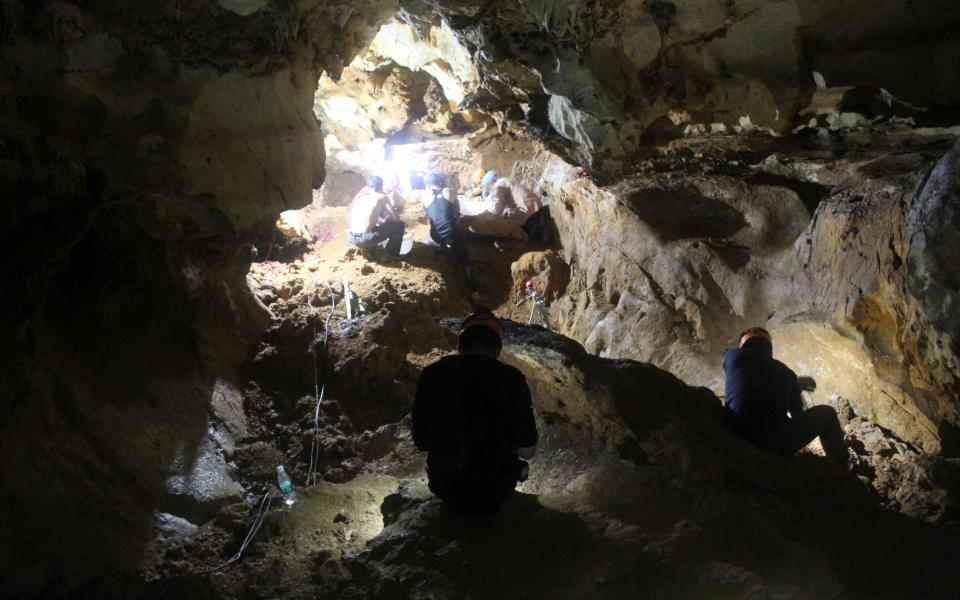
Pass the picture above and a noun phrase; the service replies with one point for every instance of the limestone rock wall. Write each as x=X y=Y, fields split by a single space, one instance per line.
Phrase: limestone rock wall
x=668 y=267
x=608 y=77
x=142 y=147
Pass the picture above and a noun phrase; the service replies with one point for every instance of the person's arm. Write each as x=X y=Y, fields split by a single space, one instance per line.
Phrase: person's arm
x=396 y=201
x=385 y=204
x=525 y=426
x=531 y=202
x=450 y=195
x=535 y=203
x=505 y=205
x=424 y=416
x=794 y=397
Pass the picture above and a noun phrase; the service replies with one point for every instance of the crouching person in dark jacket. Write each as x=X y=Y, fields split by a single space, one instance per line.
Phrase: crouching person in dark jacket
x=474 y=418
x=763 y=403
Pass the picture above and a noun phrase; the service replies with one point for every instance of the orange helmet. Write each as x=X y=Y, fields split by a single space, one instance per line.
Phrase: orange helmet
x=754 y=332
x=478 y=176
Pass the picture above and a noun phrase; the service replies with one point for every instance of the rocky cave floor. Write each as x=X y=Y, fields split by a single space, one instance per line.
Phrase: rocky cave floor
x=636 y=490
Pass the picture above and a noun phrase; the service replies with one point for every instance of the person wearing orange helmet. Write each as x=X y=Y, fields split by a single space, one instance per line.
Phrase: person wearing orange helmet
x=764 y=404
x=473 y=416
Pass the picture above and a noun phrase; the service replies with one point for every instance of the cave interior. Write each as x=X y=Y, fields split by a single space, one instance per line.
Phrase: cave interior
x=184 y=312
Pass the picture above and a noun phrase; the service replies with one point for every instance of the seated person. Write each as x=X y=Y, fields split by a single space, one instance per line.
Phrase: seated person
x=761 y=391
x=512 y=200
x=473 y=201
x=473 y=416
x=372 y=219
x=516 y=202
x=443 y=211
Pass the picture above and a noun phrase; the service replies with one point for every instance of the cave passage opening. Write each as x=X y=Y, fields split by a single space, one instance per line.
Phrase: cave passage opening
x=394 y=111
x=400 y=110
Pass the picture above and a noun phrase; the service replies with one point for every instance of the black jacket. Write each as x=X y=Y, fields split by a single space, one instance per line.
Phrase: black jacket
x=470 y=415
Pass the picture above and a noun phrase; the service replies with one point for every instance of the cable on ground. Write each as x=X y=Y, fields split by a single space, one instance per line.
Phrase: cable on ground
x=318 y=391
x=262 y=511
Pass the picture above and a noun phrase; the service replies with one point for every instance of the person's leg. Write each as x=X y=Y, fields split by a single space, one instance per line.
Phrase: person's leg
x=459 y=246
x=820 y=421
x=392 y=231
x=366 y=239
x=464 y=499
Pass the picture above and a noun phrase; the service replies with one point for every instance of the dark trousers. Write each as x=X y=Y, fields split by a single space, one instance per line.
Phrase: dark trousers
x=392 y=231
x=468 y=496
x=819 y=421
x=453 y=238
x=790 y=435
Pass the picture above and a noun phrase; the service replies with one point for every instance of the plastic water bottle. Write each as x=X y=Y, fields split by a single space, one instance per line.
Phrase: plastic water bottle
x=286 y=486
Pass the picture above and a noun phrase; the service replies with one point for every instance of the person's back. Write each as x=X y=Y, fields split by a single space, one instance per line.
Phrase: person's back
x=513 y=200
x=472 y=415
x=442 y=212
x=363 y=211
x=759 y=391
x=371 y=219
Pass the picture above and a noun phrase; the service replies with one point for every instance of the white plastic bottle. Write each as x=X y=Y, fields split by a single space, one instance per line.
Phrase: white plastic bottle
x=286 y=486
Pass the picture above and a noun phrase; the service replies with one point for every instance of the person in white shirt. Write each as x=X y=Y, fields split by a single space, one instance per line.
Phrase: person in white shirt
x=372 y=219
x=514 y=201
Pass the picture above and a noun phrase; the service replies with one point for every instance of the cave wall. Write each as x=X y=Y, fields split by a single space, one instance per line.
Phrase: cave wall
x=671 y=260
x=608 y=77
x=144 y=148
x=669 y=267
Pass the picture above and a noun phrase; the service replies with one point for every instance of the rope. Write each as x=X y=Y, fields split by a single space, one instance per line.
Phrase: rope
x=258 y=519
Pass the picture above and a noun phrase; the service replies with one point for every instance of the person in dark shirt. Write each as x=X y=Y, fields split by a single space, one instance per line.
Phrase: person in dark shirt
x=444 y=214
x=474 y=418
x=761 y=391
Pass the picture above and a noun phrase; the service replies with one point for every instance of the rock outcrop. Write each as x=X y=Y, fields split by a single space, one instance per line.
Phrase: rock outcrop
x=144 y=146
x=670 y=264
x=607 y=76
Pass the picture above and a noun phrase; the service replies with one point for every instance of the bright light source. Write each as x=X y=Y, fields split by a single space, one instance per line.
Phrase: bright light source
x=343 y=109
x=403 y=159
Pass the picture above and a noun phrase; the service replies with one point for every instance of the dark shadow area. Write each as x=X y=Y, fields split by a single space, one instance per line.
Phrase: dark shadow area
x=684 y=213
x=735 y=256
x=811 y=194
x=949 y=441
x=526 y=551
x=118 y=399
